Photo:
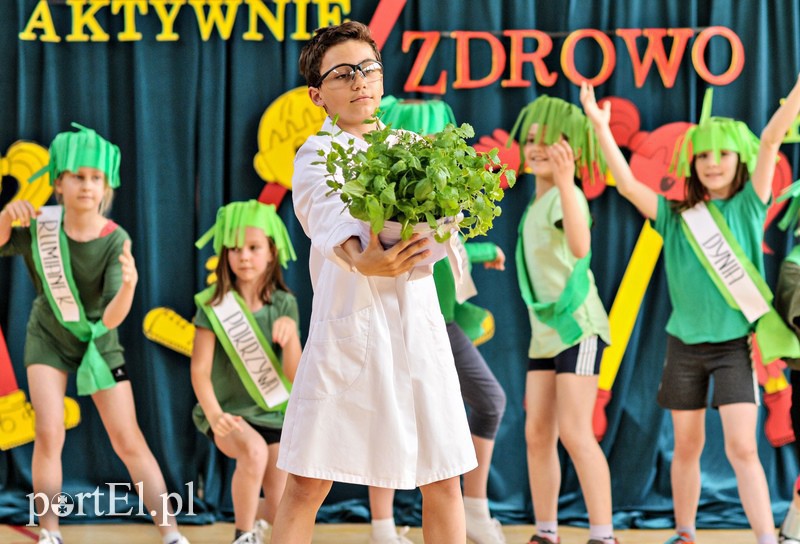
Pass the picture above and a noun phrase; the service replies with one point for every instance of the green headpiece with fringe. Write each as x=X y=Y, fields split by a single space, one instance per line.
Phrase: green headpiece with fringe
x=420 y=116
x=232 y=219
x=559 y=117
x=72 y=150
x=792 y=215
x=714 y=134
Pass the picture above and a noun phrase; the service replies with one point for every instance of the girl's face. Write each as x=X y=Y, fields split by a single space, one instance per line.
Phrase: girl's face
x=536 y=154
x=82 y=190
x=250 y=261
x=717 y=177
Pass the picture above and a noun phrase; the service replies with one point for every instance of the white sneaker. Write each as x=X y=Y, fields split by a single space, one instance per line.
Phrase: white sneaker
x=485 y=531
x=46 y=537
x=399 y=538
x=261 y=531
x=783 y=539
x=181 y=540
x=246 y=538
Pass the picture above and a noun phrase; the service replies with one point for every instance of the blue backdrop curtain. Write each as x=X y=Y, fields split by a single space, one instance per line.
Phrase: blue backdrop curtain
x=185 y=115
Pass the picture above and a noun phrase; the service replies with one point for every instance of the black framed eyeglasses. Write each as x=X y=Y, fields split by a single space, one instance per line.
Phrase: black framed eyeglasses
x=343 y=75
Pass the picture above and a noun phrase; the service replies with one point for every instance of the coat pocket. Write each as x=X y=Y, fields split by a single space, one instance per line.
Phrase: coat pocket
x=334 y=356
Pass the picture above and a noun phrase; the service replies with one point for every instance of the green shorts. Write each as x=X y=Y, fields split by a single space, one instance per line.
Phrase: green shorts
x=59 y=349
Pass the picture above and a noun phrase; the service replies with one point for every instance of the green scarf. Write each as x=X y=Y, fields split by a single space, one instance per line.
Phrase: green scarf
x=558 y=314
x=52 y=261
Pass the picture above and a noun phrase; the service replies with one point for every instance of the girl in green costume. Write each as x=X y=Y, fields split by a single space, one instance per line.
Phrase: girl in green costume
x=94 y=255
x=252 y=244
x=729 y=179
x=569 y=326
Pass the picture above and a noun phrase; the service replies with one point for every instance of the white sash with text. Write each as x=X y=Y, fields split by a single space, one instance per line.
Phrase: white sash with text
x=252 y=355
x=48 y=235
x=725 y=263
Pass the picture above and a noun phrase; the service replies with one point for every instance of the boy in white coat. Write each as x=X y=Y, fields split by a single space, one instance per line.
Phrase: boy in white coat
x=376 y=399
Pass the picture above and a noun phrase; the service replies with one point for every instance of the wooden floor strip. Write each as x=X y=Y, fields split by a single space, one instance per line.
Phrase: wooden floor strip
x=222 y=533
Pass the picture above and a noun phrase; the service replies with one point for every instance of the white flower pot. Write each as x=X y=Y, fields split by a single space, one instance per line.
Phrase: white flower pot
x=390 y=235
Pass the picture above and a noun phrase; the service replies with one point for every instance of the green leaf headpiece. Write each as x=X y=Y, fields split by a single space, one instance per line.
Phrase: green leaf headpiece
x=232 y=219
x=420 y=116
x=792 y=215
x=714 y=134
x=559 y=117
x=72 y=150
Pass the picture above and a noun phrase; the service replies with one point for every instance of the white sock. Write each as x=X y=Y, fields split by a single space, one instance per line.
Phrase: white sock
x=602 y=532
x=477 y=508
x=791 y=523
x=547 y=529
x=383 y=528
x=171 y=537
x=56 y=534
x=767 y=538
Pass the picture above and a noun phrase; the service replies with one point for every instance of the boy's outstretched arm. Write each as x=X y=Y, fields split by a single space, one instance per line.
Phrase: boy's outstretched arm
x=639 y=194
x=771 y=138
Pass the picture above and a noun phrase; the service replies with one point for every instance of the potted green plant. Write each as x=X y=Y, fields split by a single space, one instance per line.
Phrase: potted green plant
x=433 y=184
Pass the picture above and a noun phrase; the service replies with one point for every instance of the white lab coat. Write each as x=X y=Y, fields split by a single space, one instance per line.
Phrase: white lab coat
x=376 y=400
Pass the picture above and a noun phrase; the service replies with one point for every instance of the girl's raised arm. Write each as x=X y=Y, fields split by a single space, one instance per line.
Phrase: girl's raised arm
x=771 y=138
x=639 y=194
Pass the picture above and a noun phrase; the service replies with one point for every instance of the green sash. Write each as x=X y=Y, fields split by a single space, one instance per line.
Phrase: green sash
x=732 y=272
x=52 y=260
x=556 y=315
x=249 y=351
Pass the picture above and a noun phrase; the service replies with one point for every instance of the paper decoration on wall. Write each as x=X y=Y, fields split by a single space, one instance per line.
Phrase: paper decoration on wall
x=777 y=397
x=17 y=419
x=166 y=327
x=284 y=127
x=622 y=317
x=21 y=161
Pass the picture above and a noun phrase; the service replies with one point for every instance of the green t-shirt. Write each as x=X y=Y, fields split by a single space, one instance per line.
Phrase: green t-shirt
x=98 y=276
x=550 y=263
x=231 y=394
x=478 y=252
x=699 y=312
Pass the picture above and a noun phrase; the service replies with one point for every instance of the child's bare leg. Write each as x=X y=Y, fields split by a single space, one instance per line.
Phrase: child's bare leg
x=249 y=450
x=690 y=437
x=47 y=388
x=273 y=485
x=541 y=437
x=118 y=414
x=477 y=479
x=381 y=502
x=575 y=400
x=739 y=427
x=297 y=511
x=443 y=512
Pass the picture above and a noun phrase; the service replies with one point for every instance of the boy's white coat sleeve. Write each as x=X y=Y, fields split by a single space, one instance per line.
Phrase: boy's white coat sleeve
x=324 y=218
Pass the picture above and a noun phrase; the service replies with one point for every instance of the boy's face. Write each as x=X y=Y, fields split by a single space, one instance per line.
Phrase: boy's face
x=355 y=102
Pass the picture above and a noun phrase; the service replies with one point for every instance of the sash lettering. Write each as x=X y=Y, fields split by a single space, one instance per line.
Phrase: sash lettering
x=247 y=347
x=50 y=254
x=723 y=261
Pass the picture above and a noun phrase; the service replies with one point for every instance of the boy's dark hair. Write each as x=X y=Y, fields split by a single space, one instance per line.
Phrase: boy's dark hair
x=325 y=38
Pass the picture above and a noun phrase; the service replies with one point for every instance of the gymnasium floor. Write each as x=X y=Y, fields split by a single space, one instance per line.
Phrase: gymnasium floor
x=221 y=533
